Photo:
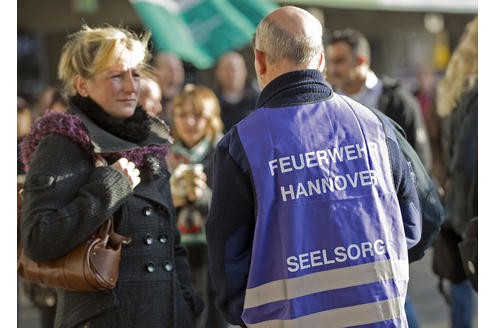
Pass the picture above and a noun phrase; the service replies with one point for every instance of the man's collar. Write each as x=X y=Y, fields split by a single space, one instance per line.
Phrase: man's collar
x=371 y=80
x=301 y=86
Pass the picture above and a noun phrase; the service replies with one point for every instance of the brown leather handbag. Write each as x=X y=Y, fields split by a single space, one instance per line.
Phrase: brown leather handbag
x=92 y=266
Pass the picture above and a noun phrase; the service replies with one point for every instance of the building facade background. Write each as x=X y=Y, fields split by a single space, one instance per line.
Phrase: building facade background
x=401 y=41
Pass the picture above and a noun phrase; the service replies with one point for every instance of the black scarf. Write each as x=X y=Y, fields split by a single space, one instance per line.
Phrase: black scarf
x=134 y=129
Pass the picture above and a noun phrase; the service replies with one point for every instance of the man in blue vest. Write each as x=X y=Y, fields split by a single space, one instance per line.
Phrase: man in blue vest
x=314 y=206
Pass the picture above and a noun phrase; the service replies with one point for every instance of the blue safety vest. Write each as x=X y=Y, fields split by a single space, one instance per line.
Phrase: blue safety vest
x=329 y=248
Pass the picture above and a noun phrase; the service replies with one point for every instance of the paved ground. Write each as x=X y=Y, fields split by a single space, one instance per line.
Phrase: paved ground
x=432 y=310
x=430 y=306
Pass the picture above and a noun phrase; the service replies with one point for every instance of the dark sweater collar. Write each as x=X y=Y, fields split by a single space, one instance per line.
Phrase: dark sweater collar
x=105 y=142
x=296 y=87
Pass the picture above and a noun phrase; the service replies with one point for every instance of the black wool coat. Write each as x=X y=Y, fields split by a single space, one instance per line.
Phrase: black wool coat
x=66 y=198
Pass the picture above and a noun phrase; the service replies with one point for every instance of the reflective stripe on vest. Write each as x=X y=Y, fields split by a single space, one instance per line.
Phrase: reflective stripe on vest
x=345 y=317
x=329 y=242
x=326 y=280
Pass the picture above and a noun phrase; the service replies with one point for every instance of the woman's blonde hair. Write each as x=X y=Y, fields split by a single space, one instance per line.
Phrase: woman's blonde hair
x=92 y=50
x=462 y=71
x=205 y=102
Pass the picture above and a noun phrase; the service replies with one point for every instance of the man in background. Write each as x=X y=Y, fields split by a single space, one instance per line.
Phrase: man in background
x=237 y=97
x=150 y=95
x=348 y=71
x=171 y=77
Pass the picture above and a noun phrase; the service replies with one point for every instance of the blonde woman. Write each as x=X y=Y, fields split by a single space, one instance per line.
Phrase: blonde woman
x=462 y=71
x=196 y=127
x=67 y=197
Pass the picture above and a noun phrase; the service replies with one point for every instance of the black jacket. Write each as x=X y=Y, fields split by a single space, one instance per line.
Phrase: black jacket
x=400 y=105
x=432 y=210
x=231 y=113
x=462 y=160
x=66 y=198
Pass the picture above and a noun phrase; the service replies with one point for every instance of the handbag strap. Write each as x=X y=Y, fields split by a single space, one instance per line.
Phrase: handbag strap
x=116 y=238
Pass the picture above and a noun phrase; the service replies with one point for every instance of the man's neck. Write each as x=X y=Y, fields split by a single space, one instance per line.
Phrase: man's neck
x=355 y=87
x=233 y=93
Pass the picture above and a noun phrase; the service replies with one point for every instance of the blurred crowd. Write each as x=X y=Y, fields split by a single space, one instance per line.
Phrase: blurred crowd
x=438 y=116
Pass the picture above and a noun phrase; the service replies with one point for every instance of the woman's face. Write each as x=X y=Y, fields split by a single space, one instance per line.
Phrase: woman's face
x=116 y=90
x=189 y=123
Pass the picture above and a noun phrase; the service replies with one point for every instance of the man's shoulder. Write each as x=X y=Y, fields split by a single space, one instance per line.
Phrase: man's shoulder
x=230 y=141
x=389 y=82
x=395 y=85
x=395 y=93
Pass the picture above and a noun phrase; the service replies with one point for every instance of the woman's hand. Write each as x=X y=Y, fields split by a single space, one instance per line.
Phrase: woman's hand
x=129 y=170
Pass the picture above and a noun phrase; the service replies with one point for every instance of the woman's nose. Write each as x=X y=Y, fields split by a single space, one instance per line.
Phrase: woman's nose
x=130 y=83
x=191 y=119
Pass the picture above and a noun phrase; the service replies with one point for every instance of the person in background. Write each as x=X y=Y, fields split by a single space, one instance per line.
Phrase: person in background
x=43 y=100
x=425 y=93
x=59 y=103
x=110 y=161
x=196 y=127
x=24 y=122
x=237 y=97
x=150 y=96
x=457 y=105
x=291 y=240
x=349 y=72
x=171 y=77
x=425 y=90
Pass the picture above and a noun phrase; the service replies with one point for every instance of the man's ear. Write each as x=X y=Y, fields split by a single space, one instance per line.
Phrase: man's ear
x=260 y=61
x=321 y=62
x=362 y=60
x=81 y=85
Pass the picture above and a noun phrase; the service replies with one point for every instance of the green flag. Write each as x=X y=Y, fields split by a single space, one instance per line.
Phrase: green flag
x=170 y=32
x=254 y=10
x=200 y=31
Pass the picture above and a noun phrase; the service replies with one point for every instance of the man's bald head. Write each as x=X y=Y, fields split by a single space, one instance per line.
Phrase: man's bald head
x=287 y=39
x=231 y=72
x=170 y=71
x=290 y=33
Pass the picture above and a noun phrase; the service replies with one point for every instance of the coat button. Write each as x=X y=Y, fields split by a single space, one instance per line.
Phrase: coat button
x=148 y=239
x=168 y=266
x=162 y=239
x=150 y=267
x=147 y=211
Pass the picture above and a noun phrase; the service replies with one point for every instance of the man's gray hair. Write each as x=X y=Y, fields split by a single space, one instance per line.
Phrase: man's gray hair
x=279 y=43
